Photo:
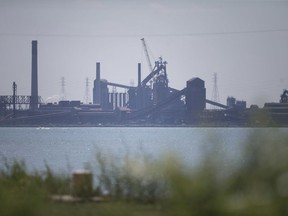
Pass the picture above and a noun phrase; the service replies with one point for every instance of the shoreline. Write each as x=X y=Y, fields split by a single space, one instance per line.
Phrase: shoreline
x=141 y=126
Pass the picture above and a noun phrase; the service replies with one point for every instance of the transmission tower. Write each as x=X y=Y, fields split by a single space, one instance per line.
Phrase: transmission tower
x=62 y=94
x=14 y=98
x=215 y=94
x=87 y=91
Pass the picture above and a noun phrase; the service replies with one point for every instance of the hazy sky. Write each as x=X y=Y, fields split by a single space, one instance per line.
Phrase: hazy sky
x=245 y=42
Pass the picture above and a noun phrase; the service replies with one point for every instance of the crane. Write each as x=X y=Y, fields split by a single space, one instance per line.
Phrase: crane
x=147 y=55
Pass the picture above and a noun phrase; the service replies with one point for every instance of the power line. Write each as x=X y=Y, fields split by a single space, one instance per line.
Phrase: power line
x=3 y=34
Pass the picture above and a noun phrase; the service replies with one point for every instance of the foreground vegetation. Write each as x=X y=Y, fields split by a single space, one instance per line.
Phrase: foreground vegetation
x=256 y=185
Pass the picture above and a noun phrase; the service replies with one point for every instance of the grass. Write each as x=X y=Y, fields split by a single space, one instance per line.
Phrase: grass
x=258 y=185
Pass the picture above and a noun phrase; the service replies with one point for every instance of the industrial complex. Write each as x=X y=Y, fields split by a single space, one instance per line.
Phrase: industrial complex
x=151 y=102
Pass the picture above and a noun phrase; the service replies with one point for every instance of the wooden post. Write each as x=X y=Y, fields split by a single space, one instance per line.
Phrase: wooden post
x=82 y=183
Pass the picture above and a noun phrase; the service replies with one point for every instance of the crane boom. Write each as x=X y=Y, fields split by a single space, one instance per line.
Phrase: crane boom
x=147 y=55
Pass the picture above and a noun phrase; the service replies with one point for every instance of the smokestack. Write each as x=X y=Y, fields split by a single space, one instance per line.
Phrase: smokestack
x=34 y=78
x=98 y=70
x=139 y=74
x=97 y=86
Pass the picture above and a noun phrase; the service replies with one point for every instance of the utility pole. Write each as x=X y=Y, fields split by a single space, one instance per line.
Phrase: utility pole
x=14 y=99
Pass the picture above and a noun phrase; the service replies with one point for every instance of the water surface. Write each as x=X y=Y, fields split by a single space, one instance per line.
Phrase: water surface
x=66 y=149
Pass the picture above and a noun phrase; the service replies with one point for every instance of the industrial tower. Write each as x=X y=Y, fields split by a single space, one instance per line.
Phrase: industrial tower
x=34 y=78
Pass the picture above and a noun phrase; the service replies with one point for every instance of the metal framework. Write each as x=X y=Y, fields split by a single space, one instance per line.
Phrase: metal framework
x=19 y=99
x=147 y=55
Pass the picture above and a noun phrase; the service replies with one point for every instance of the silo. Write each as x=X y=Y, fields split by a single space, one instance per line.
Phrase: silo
x=195 y=95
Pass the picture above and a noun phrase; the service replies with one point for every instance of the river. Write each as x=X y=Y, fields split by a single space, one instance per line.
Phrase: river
x=66 y=149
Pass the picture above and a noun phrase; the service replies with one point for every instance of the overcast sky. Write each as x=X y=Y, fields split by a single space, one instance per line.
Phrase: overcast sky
x=245 y=42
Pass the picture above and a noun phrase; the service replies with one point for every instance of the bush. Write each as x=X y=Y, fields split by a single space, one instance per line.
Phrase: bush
x=132 y=179
x=257 y=185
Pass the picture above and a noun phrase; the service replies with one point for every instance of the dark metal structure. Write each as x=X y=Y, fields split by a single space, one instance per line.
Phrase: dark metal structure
x=34 y=100
x=10 y=100
x=284 y=96
x=34 y=78
x=153 y=98
x=151 y=101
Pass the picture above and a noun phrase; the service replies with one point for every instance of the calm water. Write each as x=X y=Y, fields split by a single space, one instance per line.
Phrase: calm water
x=66 y=149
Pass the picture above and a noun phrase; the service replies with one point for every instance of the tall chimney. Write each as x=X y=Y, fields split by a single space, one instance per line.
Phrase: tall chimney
x=98 y=70
x=139 y=74
x=97 y=86
x=34 y=78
